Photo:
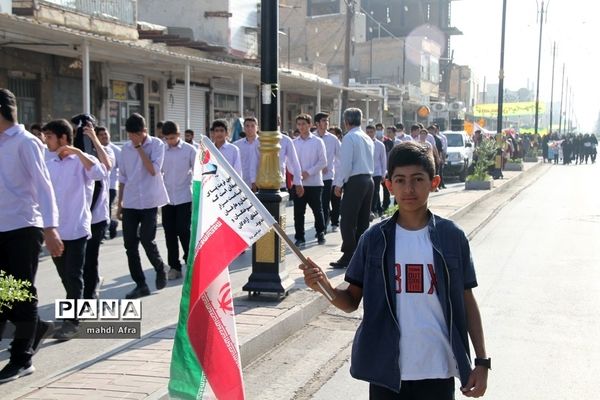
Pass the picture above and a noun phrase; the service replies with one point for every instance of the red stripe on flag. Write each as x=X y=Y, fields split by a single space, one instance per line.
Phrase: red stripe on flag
x=212 y=344
x=217 y=250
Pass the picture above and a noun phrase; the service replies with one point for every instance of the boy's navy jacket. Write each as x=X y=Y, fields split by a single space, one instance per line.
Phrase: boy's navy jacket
x=376 y=347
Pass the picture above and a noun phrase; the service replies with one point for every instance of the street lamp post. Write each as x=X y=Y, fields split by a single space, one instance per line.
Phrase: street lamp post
x=501 y=74
x=552 y=87
x=268 y=254
x=537 y=90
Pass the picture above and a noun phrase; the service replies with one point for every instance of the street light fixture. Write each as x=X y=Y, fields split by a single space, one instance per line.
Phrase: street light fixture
x=501 y=74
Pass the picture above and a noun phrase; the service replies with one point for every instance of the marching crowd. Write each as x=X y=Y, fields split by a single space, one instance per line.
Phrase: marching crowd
x=59 y=180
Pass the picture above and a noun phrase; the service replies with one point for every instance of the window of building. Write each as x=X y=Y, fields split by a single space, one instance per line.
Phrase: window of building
x=26 y=88
x=322 y=7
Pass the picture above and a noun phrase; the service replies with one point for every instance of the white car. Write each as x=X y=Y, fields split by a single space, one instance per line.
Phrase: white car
x=460 y=154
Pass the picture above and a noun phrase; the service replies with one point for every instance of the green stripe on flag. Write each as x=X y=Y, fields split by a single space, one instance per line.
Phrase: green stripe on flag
x=187 y=380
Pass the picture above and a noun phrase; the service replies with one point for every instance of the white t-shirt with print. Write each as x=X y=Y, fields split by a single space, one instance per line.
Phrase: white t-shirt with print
x=425 y=351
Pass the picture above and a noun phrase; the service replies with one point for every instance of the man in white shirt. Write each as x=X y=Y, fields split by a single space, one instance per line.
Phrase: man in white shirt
x=28 y=216
x=141 y=192
x=380 y=167
x=72 y=173
x=332 y=150
x=401 y=136
x=311 y=154
x=100 y=217
x=249 y=153
x=177 y=170
x=354 y=177
x=219 y=131
x=113 y=179
x=189 y=138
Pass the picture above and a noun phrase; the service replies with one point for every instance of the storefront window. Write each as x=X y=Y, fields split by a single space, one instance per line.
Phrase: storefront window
x=126 y=99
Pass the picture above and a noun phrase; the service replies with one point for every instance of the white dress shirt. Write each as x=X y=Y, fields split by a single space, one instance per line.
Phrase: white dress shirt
x=27 y=197
x=114 y=171
x=178 y=170
x=332 y=152
x=142 y=190
x=380 y=159
x=356 y=155
x=249 y=155
x=311 y=154
x=232 y=155
x=74 y=187
x=101 y=211
x=405 y=137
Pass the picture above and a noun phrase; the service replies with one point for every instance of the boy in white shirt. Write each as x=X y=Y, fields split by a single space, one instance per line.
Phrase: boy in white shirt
x=416 y=274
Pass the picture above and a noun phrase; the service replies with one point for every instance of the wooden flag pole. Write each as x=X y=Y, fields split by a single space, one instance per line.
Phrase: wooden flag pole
x=327 y=293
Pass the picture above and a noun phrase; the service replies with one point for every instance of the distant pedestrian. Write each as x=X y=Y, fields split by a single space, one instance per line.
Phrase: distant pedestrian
x=379 y=171
x=189 y=138
x=141 y=192
x=311 y=154
x=332 y=149
x=249 y=153
x=219 y=132
x=104 y=137
x=177 y=169
x=356 y=183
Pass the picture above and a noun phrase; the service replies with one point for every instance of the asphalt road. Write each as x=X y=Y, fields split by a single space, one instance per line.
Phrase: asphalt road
x=539 y=293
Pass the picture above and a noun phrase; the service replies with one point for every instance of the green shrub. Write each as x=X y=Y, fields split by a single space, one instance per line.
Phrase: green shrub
x=485 y=153
x=12 y=290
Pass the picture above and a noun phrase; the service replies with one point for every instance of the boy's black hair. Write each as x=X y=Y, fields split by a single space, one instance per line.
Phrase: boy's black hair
x=35 y=126
x=220 y=123
x=159 y=125
x=415 y=127
x=411 y=153
x=370 y=127
x=60 y=128
x=400 y=126
x=379 y=124
x=189 y=131
x=251 y=119
x=135 y=123
x=320 y=116
x=8 y=105
x=170 y=128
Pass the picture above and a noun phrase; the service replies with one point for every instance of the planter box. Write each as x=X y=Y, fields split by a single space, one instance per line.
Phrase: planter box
x=479 y=185
x=530 y=159
x=513 y=166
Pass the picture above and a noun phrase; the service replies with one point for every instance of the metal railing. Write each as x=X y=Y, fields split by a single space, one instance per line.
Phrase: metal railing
x=123 y=11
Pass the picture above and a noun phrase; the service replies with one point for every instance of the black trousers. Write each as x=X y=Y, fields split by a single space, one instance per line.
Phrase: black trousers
x=335 y=209
x=312 y=197
x=70 y=267
x=326 y=200
x=91 y=276
x=376 y=206
x=355 y=210
x=386 y=198
x=145 y=220
x=176 y=222
x=426 y=389
x=19 y=254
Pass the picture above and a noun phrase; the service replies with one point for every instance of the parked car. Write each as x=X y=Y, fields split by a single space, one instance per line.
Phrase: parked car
x=460 y=155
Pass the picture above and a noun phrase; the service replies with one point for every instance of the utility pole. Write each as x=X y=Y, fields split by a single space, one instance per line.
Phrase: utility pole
x=537 y=90
x=501 y=74
x=348 y=40
x=562 y=91
x=552 y=87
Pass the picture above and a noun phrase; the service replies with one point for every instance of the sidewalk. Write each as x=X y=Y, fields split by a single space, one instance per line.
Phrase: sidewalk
x=140 y=369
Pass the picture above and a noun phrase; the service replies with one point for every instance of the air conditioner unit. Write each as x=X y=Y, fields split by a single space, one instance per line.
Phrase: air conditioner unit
x=439 y=107
x=456 y=106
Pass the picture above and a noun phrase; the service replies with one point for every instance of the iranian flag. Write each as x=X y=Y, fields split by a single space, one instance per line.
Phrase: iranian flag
x=226 y=219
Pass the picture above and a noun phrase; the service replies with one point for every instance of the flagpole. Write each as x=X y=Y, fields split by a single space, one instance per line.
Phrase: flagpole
x=327 y=293
x=266 y=215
